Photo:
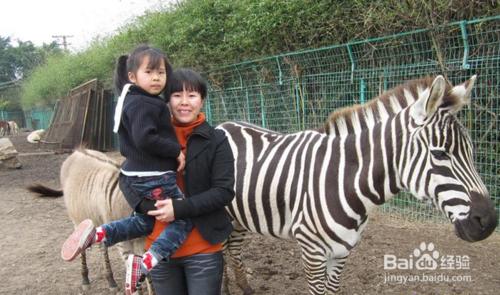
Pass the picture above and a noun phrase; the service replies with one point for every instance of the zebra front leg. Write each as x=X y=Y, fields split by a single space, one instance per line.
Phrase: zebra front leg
x=85 y=271
x=233 y=248
x=109 y=272
x=315 y=269
x=334 y=268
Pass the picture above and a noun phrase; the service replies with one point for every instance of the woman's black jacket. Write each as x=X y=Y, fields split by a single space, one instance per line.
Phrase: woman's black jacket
x=209 y=183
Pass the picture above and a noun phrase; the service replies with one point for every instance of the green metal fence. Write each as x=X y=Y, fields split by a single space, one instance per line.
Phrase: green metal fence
x=37 y=118
x=17 y=116
x=296 y=91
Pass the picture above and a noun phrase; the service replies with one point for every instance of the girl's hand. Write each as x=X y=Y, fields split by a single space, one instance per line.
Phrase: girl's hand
x=164 y=211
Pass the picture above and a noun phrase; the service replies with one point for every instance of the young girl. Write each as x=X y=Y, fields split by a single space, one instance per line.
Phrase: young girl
x=148 y=174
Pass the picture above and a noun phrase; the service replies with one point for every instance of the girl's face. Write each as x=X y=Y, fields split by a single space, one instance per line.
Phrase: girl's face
x=151 y=80
x=185 y=105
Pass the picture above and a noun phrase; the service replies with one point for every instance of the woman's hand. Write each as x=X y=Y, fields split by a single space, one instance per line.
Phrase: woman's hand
x=164 y=211
x=181 y=159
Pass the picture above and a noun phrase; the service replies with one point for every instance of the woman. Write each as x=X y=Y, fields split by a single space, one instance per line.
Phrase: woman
x=208 y=184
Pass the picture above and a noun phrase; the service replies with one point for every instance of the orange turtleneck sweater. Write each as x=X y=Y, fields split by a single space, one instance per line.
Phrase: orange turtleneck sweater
x=194 y=243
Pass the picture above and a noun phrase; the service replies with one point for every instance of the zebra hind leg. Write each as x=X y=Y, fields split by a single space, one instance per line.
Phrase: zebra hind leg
x=334 y=268
x=233 y=249
x=225 y=283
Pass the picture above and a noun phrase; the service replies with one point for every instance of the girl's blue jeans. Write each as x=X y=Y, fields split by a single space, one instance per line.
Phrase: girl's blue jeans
x=140 y=225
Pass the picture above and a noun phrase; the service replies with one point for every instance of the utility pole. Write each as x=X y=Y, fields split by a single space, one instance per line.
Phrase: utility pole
x=64 y=40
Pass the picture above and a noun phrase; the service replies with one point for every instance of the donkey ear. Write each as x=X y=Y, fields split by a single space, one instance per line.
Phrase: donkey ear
x=429 y=101
x=461 y=94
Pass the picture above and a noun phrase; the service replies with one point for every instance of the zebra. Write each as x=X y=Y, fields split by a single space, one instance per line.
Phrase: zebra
x=320 y=187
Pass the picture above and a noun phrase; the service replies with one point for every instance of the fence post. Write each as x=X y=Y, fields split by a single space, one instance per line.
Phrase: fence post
x=208 y=109
x=249 y=114
x=280 y=74
x=27 y=119
x=385 y=81
x=239 y=75
x=262 y=110
x=465 y=61
x=362 y=91
x=353 y=62
x=297 y=104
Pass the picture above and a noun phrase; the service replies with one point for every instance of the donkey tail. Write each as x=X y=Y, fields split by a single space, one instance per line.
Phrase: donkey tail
x=44 y=191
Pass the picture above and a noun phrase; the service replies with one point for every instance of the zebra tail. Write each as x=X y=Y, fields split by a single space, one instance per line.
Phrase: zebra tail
x=44 y=191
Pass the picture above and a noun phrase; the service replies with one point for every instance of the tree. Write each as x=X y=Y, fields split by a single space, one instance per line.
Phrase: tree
x=16 y=64
x=6 y=61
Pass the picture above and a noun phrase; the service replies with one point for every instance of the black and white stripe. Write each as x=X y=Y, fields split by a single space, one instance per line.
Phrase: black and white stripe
x=318 y=188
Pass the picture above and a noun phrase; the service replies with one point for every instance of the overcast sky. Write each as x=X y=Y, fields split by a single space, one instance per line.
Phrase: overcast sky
x=39 y=20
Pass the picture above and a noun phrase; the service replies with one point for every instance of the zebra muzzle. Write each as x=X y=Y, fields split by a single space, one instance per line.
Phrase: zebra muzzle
x=481 y=222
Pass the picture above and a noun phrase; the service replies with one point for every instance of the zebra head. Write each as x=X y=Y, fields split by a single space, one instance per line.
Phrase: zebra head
x=439 y=162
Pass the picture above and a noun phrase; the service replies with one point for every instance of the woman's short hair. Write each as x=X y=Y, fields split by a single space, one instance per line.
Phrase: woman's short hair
x=186 y=79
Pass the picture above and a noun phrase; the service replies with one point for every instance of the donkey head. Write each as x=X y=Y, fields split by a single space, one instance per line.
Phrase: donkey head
x=441 y=161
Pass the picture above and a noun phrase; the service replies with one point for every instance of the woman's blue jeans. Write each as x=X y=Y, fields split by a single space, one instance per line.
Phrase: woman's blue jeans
x=191 y=275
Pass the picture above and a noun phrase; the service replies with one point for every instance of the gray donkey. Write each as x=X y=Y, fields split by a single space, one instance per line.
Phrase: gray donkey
x=89 y=181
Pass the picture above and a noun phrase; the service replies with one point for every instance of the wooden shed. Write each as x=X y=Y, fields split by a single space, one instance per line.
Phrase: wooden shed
x=84 y=117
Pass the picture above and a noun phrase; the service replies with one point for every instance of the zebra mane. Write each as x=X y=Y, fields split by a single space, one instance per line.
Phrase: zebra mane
x=358 y=117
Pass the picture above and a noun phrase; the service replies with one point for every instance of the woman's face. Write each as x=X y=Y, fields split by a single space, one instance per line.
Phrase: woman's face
x=185 y=105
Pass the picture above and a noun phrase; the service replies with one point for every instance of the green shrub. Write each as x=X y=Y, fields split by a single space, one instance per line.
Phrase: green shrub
x=204 y=34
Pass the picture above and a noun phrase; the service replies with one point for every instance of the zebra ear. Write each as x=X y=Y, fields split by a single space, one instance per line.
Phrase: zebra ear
x=461 y=94
x=429 y=101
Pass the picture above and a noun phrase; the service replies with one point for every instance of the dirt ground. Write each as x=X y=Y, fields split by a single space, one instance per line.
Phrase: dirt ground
x=32 y=230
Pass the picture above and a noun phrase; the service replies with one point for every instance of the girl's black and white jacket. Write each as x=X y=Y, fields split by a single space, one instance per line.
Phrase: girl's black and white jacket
x=147 y=137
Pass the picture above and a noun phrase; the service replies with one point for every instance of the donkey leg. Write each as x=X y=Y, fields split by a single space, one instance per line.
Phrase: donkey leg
x=149 y=285
x=233 y=247
x=85 y=271
x=109 y=271
x=146 y=287
x=334 y=268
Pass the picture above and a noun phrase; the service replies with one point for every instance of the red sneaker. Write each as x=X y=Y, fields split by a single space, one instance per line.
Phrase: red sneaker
x=134 y=275
x=79 y=240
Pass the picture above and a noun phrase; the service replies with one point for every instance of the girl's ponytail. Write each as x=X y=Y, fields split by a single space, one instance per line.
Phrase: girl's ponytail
x=121 y=74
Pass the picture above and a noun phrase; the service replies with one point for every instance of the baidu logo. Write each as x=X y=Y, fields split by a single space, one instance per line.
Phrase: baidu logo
x=426 y=257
